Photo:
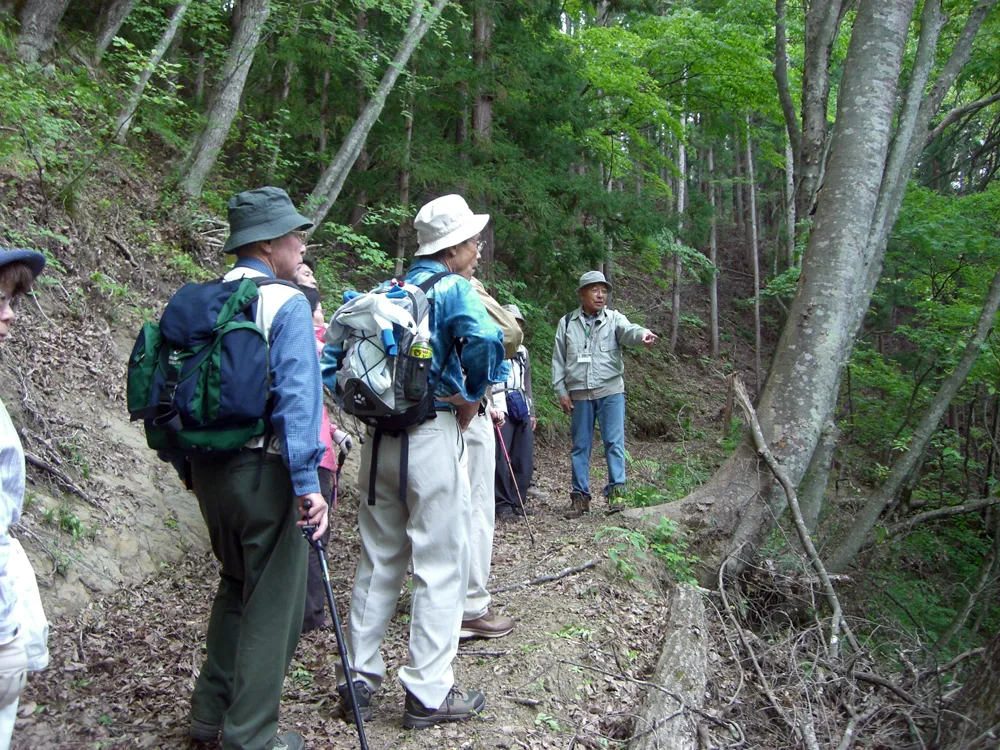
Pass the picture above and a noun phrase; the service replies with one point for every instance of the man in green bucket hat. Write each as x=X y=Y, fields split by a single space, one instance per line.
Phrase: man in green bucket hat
x=253 y=500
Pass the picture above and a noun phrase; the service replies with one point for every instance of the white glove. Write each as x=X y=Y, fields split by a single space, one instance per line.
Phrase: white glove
x=343 y=440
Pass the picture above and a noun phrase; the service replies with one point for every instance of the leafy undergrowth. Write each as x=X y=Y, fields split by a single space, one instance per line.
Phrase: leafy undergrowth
x=122 y=671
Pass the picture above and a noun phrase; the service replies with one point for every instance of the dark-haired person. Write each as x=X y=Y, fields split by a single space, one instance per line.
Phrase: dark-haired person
x=305 y=274
x=23 y=629
x=330 y=435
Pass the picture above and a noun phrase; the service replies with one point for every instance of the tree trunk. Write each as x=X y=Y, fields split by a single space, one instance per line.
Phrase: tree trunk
x=738 y=184
x=462 y=123
x=906 y=464
x=324 y=99
x=332 y=180
x=226 y=101
x=754 y=260
x=113 y=15
x=404 y=185
x=801 y=390
x=977 y=701
x=823 y=21
x=39 y=21
x=817 y=476
x=678 y=269
x=127 y=113
x=789 y=203
x=713 y=257
x=482 y=115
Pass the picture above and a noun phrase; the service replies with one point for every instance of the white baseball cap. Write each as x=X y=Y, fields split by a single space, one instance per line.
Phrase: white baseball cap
x=445 y=222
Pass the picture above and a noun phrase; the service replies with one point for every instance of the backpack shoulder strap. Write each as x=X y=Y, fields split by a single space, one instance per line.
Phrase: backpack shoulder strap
x=267 y=281
x=426 y=285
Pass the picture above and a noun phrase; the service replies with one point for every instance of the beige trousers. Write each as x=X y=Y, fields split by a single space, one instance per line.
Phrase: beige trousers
x=431 y=533
x=480 y=441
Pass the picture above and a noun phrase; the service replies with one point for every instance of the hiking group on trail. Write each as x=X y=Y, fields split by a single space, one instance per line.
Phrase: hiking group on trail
x=433 y=375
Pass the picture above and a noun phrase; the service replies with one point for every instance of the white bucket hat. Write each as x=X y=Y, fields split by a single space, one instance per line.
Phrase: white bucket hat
x=445 y=222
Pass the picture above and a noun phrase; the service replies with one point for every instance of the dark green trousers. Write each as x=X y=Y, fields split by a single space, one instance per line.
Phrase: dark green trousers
x=257 y=614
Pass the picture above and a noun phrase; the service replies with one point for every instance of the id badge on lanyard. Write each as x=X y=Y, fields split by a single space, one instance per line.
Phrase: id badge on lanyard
x=584 y=357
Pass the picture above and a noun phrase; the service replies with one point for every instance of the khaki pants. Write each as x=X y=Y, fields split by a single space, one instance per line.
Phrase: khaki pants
x=13 y=676
x=480 y=440
x=431 y=532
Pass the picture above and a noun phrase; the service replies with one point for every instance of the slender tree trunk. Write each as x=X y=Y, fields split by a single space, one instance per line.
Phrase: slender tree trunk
x=781 y=78
x=332 y=180
x=904 y=466
x=324 y=99
x=39 y=21
x=800 y=394
x=754 y=260
x=482 y=114
x=113 y=15
x=360 y=207
x=738 y=214
x=713 y=257
x=823 y=21
x=678 y=269
x=404 y=186
x=127 y=113
x=226 y=101
x=462 y=123
x=200 y=64
x=789 y=207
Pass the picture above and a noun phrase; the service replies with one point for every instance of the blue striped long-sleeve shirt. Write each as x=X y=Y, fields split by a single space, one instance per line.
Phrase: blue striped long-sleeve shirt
x=11 y=497
x=295 y=386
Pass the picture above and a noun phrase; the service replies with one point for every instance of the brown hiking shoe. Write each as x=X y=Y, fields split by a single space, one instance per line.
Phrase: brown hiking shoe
x=615 y=502
x=578 y=504
x=490 y=625
x=458 y=706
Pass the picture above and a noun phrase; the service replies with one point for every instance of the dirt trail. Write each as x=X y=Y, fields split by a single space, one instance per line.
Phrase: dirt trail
x=122 y=671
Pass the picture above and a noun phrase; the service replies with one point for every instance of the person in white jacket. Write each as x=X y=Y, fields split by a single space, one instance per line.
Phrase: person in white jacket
x=23 y=629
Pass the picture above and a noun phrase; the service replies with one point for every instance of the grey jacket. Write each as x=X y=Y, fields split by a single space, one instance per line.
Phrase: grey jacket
x=602 y=376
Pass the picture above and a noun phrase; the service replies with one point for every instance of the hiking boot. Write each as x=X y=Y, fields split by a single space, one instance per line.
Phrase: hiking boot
x=579 y=504
x=490 y=625
x=520 y=510
x=204 y=731
x=458 y=706
x=364 y=696
x=615 y=502
x=504 y=512
x=289 y=741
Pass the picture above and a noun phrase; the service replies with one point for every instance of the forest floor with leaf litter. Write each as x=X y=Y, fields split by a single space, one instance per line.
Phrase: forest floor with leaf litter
x=122 y=671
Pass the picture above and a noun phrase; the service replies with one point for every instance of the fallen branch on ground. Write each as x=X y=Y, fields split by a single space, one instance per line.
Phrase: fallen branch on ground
x=546 y=579
x=126 y=253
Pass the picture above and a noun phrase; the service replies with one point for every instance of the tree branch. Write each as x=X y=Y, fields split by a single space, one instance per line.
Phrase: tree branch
x=547 y=579
x=837 y=620
x=931 y=515
x=959 y=112
x=781 y=78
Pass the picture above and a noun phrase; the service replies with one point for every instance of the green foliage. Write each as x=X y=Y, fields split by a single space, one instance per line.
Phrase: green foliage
x=666 y=543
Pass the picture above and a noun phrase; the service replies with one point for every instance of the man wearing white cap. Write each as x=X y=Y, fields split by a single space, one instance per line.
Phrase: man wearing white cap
x=587 y=375
x=431 y=530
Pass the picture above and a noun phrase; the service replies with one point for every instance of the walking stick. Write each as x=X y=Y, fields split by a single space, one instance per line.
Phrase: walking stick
x=514 y=480
x=317 y=544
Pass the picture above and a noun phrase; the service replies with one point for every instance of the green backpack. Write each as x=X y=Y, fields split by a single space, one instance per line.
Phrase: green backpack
x=199 y=378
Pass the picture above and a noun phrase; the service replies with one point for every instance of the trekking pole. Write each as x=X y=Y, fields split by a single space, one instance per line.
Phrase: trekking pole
x=317 y=544
x=514 y=480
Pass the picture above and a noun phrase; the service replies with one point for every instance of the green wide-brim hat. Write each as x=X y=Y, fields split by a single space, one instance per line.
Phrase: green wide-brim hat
x=260 y=215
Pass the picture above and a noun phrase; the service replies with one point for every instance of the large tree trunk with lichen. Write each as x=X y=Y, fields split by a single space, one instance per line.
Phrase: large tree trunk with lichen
x=226 y=102
x=862 y=193
x=113 y=15
x=736 y=507
x=39 y=21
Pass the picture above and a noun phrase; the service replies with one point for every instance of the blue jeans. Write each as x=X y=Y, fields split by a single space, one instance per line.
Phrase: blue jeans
x=610 y=413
